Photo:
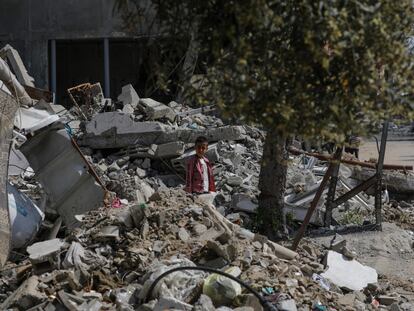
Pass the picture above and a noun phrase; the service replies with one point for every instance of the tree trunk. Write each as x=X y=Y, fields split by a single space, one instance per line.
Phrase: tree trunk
x=272 y=185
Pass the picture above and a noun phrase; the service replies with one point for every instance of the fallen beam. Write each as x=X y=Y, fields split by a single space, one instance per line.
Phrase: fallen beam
x=324 y=157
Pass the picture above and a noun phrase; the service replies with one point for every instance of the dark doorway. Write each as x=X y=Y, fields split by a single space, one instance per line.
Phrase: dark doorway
x=77 y=62
x=125 y=62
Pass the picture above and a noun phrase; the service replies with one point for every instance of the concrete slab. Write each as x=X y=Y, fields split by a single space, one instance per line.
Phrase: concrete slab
x=118 y=130
x=16 y=62
x=25 y=297
x=42 y=251
x=156 y=110
x=169 y=150
x=129 y=96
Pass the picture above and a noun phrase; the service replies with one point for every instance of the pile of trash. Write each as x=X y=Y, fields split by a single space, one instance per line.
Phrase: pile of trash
x=98 y=212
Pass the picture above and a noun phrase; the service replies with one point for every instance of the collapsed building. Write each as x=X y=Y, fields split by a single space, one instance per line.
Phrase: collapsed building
x=97 y=211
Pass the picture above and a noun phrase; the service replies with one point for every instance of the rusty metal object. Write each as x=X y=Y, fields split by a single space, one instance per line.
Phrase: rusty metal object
x=87 y=98
x=38 y=94
x=316 y=199
x=324 y=157
x=8 y=108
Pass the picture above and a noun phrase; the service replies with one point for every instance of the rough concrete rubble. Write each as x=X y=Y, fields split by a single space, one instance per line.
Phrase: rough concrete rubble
x=114 y=268
x=90 y=258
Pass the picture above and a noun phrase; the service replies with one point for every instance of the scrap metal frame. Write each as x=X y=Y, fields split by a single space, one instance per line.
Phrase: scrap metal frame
x=331 y=175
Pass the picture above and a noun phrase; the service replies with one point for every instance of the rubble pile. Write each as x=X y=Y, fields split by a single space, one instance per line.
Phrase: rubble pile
x=102 y=182
x=111 y=260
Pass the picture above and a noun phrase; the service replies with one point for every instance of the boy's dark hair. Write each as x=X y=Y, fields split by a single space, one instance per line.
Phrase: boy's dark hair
x=201 y=140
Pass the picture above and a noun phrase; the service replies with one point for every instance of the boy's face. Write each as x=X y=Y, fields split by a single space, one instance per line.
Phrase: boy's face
x=201 y=149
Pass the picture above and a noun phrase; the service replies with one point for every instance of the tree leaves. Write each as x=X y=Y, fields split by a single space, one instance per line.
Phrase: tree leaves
x=299 y=66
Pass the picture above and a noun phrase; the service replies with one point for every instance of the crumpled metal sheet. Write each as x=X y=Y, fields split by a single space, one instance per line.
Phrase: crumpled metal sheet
x=8 y=108
x=70 y=187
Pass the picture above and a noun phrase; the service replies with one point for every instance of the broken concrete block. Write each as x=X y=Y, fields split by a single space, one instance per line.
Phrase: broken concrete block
x=71 y=302
x=338 y=243
x=387 y=300
x=117 y=130
x=234 y=180
x=183 y=235
x=169 y=150
x=141 y=173
x=128 y=109
x=138 y=213
x=143 y=191
x=348 y=273
x=242 y=202
x=15 y=61
x=26 y=296
x=204 y=303
x=171 y=304
x=146 y=164
x=108 y=232
x=347 y=300
x=156 y=110
x=287 y=305
x=129 y=96
x=45 y=251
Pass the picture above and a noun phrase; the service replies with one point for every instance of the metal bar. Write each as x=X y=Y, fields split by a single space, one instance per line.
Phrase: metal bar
x=332 y=189
x=380 y=166
x=314 y=203
x=107 y=81
x=90 y=167
x=361 y=187
x=53 y=66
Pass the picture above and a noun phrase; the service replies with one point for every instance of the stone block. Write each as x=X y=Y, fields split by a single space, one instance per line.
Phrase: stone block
x=171 y=304
x=26 y=296
x=129 y=96
x=156 y=110
x=45 y=251
x=169 y=150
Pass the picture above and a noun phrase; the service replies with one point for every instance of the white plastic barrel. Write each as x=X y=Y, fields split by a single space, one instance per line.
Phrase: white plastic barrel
x=25 y=218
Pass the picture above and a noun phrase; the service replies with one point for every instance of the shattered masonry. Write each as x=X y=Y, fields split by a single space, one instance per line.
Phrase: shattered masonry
x=116 y=216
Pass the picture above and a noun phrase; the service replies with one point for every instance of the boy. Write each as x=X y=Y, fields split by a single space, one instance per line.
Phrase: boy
x=199 y=175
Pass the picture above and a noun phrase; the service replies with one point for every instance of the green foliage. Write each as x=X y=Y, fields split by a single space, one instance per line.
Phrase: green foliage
x=305 y=67
x=352 y=217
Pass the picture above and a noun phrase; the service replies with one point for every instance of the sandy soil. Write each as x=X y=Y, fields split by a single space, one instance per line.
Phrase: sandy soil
x=396 y=152
x=390 y=251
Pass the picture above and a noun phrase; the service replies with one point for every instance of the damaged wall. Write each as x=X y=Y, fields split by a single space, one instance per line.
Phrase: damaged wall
x=29 y=26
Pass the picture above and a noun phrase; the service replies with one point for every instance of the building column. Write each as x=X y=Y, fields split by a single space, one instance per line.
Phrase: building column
x=53 y=66
x=107 y=83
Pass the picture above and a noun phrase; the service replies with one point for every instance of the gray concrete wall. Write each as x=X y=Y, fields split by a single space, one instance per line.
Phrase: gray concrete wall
x=28 y=25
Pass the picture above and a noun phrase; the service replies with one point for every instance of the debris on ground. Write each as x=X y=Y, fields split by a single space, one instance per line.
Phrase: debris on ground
x=105 y=179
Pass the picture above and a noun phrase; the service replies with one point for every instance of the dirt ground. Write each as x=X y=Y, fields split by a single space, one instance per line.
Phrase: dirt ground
x=396 y=152
x=390 y=252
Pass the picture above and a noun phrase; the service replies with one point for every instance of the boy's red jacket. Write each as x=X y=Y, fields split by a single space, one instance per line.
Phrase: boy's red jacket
x=194 y=176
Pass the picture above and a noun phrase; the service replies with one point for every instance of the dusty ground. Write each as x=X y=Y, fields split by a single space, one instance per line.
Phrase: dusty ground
x=390 y=252
x=397 y=152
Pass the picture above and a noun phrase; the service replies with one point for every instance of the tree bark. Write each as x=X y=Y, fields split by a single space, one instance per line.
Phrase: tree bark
x=272 y=185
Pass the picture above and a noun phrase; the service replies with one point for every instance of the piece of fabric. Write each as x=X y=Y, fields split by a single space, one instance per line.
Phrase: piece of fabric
x=195 y=176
